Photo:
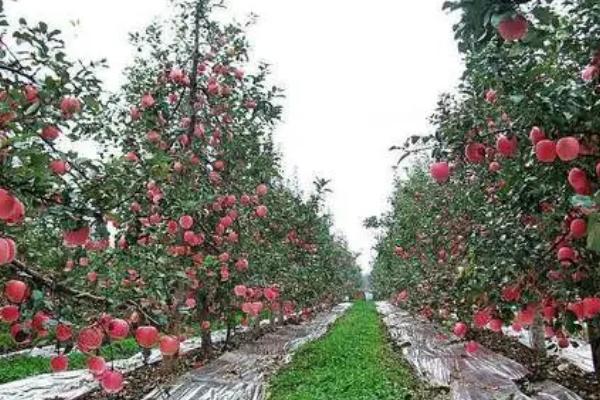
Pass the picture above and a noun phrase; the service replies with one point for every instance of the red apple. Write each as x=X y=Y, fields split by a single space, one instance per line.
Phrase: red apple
x=545 y=150
x=118 y=329
x=536 y=135
x=471 y=347
x=64 y=332
x=9 y=314
x=460 y=329
x=578 y=228
x=261 y=211
x=89 y=339
x=8 y=250
x=146 y=336
x=513 y=28
x=59 y=363
x=186 y=222
x=96 y=365
x=567 y=148
x=112 y=381
x=440 y=171
x=505 y=146
x=579 y=182
x=169 y=345
x=16 y=291
x=475 y=152
x=565 y=254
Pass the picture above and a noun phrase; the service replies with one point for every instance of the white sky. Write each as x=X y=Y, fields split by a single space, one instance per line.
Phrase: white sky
x=359 y=77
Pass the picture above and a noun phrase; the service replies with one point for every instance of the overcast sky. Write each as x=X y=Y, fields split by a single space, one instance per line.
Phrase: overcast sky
x=359 y=77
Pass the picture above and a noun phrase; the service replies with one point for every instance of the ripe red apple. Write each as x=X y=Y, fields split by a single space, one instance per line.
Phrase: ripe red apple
x=261 y=211
x=70 y=105
x=50 y=133
x=460 y=329
x=59 y=363
x=239 y=290
x=89 y=339
x=505 y=146
x=563 y=343
x=491 y=96
x=7 y=204
x=148 y=101
x=241 y=264
x=8 y=251
x=440 y=171
x=262 y=189
x=76 y=238
x=16 y=291
x=567 y=148
x=475 y=152
x=146 y=336
x=495 y=325
x=39 y=322
x=31 y=93
x=64 y=332
x=224 y=257
x=565 y=254
x=205 y=325
x=579 y=182
x=591 y=307
x=545 y=150
x=60 y=167
x=513 y=28
x=186 y=222
x=271 y=293
x=153 y=136
x=169 y=345
x=589 y=73
x=536 y=135
x=578 y=228
x=96 y=365
x=494 y=166
x=9 y=314
x=112 y=381
x=118 y=329
x=471 y=347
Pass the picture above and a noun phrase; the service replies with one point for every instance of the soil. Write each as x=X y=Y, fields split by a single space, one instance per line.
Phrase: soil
x=542 y=367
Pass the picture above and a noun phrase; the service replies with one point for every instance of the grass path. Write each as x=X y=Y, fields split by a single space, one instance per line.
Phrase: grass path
x=352 y=362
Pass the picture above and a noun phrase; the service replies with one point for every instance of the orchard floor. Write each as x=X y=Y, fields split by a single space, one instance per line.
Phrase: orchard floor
x=354 y=361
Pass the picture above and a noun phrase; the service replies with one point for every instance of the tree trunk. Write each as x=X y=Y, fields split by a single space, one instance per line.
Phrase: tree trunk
x=206 y=343
x=228 y=335
x=594 y=334
x=538 y=335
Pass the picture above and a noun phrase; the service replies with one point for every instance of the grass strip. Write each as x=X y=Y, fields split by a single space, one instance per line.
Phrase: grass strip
x=354 y=361
x=24 y=366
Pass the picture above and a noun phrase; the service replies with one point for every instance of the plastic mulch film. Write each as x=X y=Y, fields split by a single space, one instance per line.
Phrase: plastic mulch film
x=441 y=361
x=579 y=355
x=242 y=374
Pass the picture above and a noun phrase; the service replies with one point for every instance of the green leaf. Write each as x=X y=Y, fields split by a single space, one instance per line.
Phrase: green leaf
x=544 y=15
x=582 y=201
x=517 y=98
x=593 y=233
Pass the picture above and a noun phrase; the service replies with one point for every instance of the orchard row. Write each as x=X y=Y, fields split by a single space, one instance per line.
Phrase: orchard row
x=178 y=222
x=500 y=226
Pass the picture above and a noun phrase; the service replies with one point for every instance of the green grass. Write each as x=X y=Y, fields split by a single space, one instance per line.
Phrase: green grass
x=19 y=367
x=353 y=362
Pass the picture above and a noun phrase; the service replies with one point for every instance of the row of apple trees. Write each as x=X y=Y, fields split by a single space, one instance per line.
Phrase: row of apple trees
x=499 y=226
x=181 y=222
